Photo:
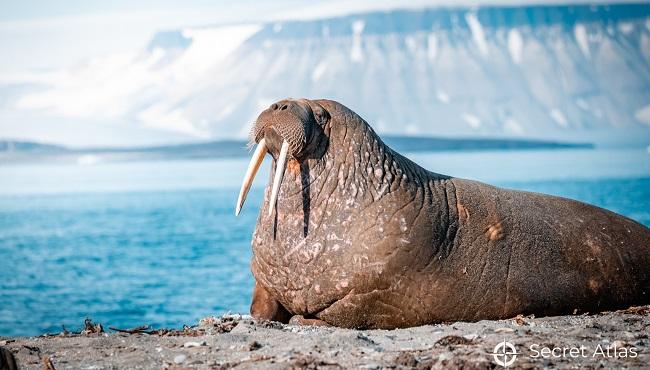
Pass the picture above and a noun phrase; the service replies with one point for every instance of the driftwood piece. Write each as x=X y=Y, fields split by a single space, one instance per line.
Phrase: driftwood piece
x=47 y=364
x=144 y=329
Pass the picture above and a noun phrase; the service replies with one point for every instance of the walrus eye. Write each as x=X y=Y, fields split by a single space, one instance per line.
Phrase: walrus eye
x=254 y=165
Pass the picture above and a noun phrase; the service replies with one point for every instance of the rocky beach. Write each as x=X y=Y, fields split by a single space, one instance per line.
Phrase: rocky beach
x=611 y=340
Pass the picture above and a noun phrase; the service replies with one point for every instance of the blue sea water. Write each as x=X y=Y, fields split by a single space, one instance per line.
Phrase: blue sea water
x=158 y=243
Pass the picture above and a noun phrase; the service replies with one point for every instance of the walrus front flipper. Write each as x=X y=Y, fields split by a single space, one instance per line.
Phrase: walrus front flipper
x=302 y=321
x=7 y=360
x=265 y=307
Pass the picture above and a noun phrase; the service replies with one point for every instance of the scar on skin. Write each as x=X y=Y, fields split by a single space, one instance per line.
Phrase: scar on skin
x=462 y=211
x=293 y=166
x=494 y=232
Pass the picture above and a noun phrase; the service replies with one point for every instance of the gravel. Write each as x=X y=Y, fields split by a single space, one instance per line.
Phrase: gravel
x=610 y=340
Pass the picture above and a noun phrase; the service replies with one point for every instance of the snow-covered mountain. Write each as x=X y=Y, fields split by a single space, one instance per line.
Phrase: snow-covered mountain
x=533 y=71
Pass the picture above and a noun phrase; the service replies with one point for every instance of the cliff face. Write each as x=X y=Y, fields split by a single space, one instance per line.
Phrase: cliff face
x=533 y=71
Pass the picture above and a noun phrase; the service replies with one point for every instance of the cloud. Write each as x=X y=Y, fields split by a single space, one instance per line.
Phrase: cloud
x=147 y=86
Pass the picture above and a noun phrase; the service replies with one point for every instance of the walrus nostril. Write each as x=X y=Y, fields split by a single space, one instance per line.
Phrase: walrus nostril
x=284 y=107
x=274 y=106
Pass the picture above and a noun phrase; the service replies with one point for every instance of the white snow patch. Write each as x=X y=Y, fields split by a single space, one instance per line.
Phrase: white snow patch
x=513 y=126
x=355 y=53
x=582 y=104
x=515 y=45
x=626 y=27
x=318 y=71
x=643 y=115
x=277 y=27
x=203 y=52
x=442 y=96
x=580 y=33
x=411 y=44
x=559 y=117
x=472 y=120
x=357 y=28
x=477 y=32
x=432 y=46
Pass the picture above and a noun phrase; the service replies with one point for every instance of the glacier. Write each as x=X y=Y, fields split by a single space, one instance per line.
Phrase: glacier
x=560 y=71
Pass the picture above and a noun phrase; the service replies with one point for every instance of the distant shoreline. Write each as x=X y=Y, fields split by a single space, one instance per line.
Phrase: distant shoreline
x=26 y=151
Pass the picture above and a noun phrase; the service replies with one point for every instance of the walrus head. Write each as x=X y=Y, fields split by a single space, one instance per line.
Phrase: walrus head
x=288 y=129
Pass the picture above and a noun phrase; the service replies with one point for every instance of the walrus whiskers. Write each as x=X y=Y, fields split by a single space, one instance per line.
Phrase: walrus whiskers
x=279 y=173
x=253 y=166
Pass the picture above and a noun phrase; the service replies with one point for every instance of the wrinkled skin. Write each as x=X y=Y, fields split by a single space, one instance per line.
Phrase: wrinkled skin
x=362 y=237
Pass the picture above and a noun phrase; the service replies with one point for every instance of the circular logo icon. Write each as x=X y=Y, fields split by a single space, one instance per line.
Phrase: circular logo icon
x=504 y=354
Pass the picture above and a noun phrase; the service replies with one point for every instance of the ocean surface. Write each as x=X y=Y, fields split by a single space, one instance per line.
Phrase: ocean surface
x=157 y=243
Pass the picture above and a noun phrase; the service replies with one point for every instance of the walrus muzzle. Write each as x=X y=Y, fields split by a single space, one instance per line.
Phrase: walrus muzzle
x=287 y=129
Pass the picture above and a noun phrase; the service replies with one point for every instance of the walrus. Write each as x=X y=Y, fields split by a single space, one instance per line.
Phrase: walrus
x=353 y=234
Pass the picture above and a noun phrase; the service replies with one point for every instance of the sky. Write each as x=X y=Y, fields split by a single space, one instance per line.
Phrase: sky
x=55 y=34
x=44 y=39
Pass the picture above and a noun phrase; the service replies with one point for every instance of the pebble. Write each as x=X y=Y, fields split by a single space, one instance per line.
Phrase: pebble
x=195 y=344
x=254 y=346
x=180 y=359
x=445 y=356
x=471 y=336
x=372 y=366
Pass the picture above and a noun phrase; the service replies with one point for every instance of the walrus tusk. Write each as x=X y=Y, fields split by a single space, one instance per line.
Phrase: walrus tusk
x=279 y=173
x=253 y=166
